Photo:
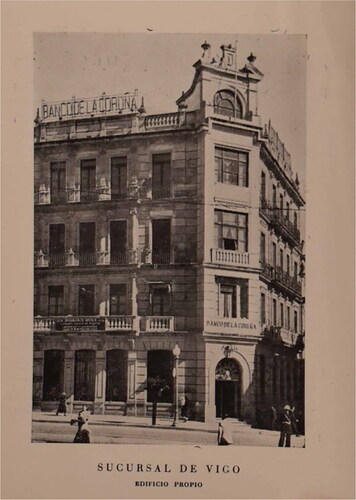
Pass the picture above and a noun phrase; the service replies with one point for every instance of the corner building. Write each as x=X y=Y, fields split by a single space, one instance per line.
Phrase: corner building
x=156 y=230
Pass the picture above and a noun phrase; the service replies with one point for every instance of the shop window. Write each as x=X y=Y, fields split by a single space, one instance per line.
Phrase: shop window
x=118 y=177
x=161 y=241
x=116 y=375
x=53 y=374
x=231 y=167
x=58 y=181
x=230 y=230
x=232 y=297
x=228 y=104
x=88 y=180
x=118 y=300
x=56 y=300
x=84 y=378
x=86 y=300
x=161 y=175
x=160 y=368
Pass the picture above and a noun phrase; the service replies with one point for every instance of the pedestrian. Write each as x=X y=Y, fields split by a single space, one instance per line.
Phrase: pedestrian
x=294 y=422
x=83 y=432
x=62 y=405
x=225 y=432
x=286 y=427
x=274 y=418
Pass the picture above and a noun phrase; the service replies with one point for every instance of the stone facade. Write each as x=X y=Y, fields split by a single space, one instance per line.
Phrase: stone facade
x=199 y=247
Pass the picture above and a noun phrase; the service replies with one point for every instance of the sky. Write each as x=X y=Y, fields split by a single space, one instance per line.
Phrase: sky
x=160 y=67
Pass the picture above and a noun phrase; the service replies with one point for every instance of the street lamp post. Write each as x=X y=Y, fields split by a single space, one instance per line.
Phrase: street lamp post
x=176 y=353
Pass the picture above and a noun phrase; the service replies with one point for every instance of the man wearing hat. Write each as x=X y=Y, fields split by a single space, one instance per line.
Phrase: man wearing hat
x=286 y=427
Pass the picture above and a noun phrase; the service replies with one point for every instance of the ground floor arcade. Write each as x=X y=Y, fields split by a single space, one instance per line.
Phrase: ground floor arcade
x=242 y=377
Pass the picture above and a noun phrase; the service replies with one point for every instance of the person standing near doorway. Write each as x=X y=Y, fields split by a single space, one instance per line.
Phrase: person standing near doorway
x=286 y=427
x=225 y=432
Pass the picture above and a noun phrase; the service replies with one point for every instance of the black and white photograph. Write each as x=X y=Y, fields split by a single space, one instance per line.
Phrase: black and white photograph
x=169 y=246
x=178 y=250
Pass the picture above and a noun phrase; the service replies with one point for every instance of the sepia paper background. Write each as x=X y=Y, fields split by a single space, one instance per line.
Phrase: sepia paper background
x=325 y=468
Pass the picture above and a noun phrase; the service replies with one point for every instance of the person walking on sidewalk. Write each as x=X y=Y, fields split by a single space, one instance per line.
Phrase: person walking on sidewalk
x=286 y=427
x=62 y=405
x=225 y=432
x=83 y=432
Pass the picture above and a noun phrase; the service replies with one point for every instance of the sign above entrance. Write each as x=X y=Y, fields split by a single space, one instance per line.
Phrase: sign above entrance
x=230 y=326
x=90 y=107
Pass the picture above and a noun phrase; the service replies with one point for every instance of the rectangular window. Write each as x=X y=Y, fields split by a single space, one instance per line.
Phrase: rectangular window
x=263 y=308
x=232 y=298
x=295 y=270
x=274 y=312
x=288 y=317
x=231 y=167
x=263 y=187
x=161 y=176
x=57 y=244
x=118 y=177
x=263 y=247
x=86 y=300
x=281 y=258
x=287 y=210
x=118 y=302
x=58 y=181
x=160 y=297
x=87 y=247
x=274 y=255
x=56 y=300
x=281 y=204
x=288 y=264
x=88 y=180
x=295 y=321
x=230 y=231
x=118 y=242
x=161 y=241
x=282 y=315
x=274 y=196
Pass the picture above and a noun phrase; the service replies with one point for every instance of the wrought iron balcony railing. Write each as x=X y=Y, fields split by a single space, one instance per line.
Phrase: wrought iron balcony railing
x=277 y=216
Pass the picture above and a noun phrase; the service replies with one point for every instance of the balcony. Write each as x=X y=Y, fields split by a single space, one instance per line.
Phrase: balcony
x=99 y=258
x=83 y=323
x=282 y=277
x=159 y=323
x=279 y=334
x=230 y=258
x=275 y=217
x=161 y=121
x=57 y=260
x=162 y=256
x=160 y=192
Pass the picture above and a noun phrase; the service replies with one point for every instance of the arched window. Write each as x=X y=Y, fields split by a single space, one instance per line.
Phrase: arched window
x=116 y=375
x=228 y=104
x=53 y=374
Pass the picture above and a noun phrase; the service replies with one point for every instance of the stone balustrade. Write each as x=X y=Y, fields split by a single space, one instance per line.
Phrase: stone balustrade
x=230 y=257
x=159 y=323
x=162 y=120
x=84 y=323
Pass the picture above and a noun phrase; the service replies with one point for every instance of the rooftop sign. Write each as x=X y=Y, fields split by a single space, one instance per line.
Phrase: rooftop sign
x=90 y=107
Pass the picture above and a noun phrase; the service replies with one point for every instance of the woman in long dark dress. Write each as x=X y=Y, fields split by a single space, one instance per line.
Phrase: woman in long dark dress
x=83 y=432
x=62 y=405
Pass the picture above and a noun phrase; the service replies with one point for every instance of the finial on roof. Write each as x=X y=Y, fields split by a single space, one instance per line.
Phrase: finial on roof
x=205 y=46
x=142 y=107
x=296 y=179
x=251 y=58
x=37 y=119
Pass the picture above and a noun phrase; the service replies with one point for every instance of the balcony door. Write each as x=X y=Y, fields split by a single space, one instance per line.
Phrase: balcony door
x=161 y=241
x=57 y=244
x=88 y=180
x=118 y=177
x=118 y=241
x=161 y=176
x=86 y=300
x=58 y=182
x=87 y=245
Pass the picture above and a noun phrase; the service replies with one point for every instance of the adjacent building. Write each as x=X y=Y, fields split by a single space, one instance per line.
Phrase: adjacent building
x=156 y=231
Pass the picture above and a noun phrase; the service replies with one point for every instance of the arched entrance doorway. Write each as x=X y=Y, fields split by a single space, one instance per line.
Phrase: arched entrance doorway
x=228 y=388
